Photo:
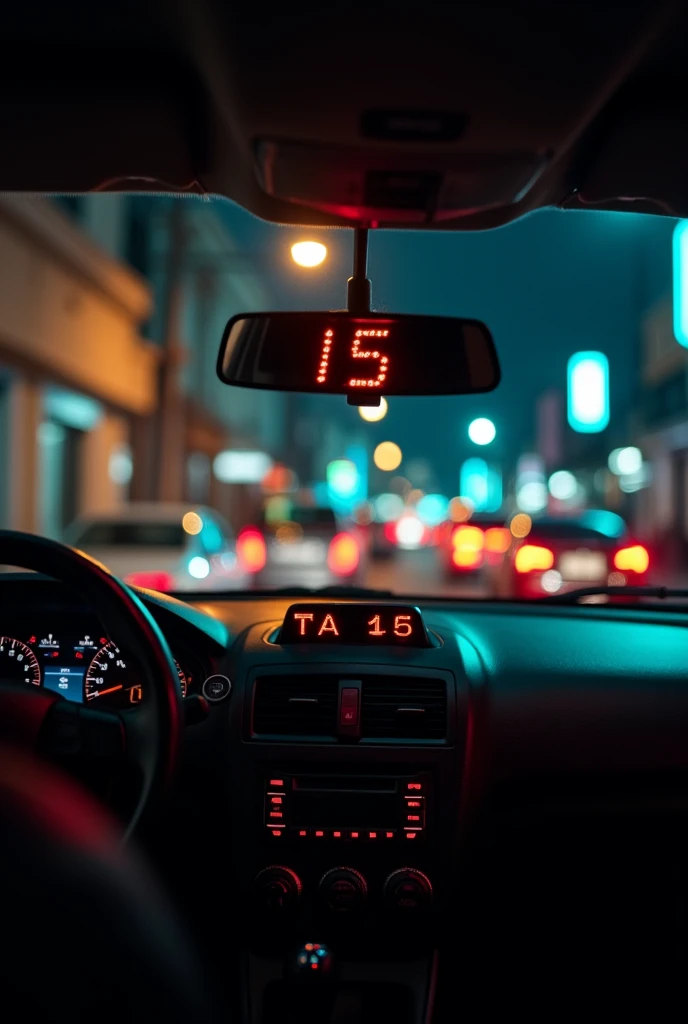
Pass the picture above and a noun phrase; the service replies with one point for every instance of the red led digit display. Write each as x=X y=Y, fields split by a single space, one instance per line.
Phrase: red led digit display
x=364 y=354
x=382 y=625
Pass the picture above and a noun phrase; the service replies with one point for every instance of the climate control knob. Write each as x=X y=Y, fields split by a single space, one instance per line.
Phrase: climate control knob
x=407 y=889
x=343 y=889
x=277 y=889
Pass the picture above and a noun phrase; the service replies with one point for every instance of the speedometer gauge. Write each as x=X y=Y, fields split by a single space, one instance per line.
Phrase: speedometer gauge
x=108 y=675
x=183 y=681
x=18 y=663
x=113 y=677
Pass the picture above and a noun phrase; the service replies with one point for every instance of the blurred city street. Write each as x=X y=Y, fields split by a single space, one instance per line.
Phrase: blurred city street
x=419 y=573
x=118 y=437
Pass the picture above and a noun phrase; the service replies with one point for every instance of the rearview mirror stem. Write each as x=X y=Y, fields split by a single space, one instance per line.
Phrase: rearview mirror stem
x=358 y=292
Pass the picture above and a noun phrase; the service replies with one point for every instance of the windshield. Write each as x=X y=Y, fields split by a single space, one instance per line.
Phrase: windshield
x=573 y=472
x=114 y=534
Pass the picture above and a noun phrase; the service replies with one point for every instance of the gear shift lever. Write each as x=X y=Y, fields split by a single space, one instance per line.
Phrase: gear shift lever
x=312 y=989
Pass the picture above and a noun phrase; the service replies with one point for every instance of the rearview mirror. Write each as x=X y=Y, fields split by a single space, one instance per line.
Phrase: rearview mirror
x=360 y=356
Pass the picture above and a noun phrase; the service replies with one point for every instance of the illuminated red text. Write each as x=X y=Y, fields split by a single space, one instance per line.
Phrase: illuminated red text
x=362 y=349
x=302 y=617
x=328 y=626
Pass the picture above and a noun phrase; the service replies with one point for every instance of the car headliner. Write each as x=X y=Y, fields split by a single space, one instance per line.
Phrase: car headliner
x=456 y=116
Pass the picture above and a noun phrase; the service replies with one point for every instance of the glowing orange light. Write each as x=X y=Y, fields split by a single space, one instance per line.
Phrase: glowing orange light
x=521 y=525
x=467 y=545
x=387 y=456
x=633 y=559
x=251 y=550
x=459 y=511
x=343 y=555
x=192 y=523
x=497 y=539
x=402 y=627
x=533 y=558
x=308 y=254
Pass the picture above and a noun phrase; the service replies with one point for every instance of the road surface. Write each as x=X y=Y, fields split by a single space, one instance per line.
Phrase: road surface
x=418 y=573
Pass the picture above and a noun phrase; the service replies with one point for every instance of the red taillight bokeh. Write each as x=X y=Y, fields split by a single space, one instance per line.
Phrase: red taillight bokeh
x=343 y=555
x=251 y=550
x=390 y=532
x=632 y=559
x=468 y=544
x=533 y=558
x=153 y=580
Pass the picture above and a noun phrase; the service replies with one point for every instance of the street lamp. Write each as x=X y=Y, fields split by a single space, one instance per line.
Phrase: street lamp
x=373 y=413
x=308 y=254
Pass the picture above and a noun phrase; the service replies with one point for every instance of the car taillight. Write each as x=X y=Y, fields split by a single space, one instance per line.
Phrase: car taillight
x=153 y=580
x=533 y=558
x=343 y=555
x=632 y=559
x=390 y=532
x=497 y=540
x=467 y=547
x=251 y=550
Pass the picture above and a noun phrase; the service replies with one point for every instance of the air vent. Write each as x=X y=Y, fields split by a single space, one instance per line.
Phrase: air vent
x=404 y=707
x=295 y=706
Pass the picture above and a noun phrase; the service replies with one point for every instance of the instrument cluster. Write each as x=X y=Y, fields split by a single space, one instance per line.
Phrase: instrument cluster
x=81 y=665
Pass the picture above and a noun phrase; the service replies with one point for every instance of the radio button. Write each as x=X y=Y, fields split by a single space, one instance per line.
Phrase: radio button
x=343 y=890
x=407 y=890
x=277 y=889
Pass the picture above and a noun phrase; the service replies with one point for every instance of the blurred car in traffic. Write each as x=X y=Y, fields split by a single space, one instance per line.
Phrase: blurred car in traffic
x=161 y=546
x=311 y=548
x=474 y=549
x=559 y=555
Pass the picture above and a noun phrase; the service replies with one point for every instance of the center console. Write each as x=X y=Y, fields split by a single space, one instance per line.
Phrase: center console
x=346 y=791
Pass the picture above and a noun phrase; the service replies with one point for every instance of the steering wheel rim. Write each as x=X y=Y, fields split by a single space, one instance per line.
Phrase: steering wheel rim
x=153 y=729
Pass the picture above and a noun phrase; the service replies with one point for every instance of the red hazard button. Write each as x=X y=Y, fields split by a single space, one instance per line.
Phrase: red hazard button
x=349 y=708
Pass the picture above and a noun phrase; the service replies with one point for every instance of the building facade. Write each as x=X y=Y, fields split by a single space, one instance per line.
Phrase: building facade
x=112 y=308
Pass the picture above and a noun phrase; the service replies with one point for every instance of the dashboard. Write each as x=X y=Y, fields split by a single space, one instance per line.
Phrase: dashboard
x=72 y=656
x=513 y=778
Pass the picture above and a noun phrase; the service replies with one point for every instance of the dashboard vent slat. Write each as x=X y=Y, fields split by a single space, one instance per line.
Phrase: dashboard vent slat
x=286 y=705
x=404 y=708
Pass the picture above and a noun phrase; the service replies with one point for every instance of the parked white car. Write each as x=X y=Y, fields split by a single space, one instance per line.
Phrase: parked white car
x=161 y=546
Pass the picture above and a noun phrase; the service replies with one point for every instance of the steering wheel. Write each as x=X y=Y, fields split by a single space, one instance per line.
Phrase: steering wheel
x=149 y=733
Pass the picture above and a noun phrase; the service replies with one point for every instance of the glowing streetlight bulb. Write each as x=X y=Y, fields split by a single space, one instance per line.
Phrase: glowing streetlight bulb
x=308 y=254
x=373 y=413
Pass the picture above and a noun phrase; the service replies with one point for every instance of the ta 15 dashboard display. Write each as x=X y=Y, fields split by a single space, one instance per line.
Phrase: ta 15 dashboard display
x=361 y=625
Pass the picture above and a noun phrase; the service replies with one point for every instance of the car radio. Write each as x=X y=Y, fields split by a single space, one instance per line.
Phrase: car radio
x=345 y=809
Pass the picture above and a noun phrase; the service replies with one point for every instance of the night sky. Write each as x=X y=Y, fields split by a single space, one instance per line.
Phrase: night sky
x=547 y=286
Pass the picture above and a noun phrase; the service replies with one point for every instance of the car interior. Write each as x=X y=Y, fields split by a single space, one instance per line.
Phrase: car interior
x=340 y=805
